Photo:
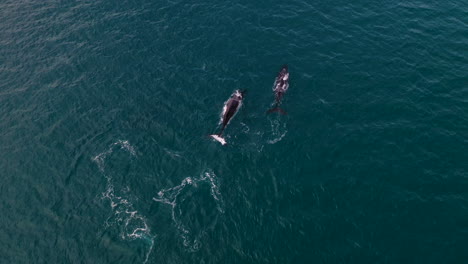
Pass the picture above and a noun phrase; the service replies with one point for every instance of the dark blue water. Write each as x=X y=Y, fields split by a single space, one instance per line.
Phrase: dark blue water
x=105 y=108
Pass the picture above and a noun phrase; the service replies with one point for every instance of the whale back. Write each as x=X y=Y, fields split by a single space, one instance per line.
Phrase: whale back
x=231 y=108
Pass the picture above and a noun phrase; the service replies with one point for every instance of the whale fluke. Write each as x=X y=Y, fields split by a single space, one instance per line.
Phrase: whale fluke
x=277 y=109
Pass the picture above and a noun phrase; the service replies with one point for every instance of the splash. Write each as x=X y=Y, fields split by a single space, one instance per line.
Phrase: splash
x=128 y=221
x=173 y=196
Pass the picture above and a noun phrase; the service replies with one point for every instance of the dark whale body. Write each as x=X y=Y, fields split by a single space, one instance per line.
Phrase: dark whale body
x=231 y=107
x=280 y=87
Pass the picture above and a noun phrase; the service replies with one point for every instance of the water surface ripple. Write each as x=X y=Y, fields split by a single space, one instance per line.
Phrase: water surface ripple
x=105 y=110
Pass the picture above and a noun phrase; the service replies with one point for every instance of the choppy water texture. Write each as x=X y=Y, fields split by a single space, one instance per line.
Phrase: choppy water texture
x=105 y=108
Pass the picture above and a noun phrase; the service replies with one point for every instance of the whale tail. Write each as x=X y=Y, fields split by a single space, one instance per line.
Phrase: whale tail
x=219 y=138
x=276 y=109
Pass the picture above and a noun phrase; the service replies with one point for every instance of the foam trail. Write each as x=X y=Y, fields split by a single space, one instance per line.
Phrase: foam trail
x=245 y=128
x=255 y=138
x=277 y=130
x=123 y=144
x=130 y=223
x=171 y=195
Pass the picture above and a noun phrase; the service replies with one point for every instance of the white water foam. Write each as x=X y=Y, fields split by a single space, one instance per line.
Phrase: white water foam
x=130 y=223
x=278 y=131
x=255 y=138
x=171 y=196
x=245 y=128
x=123 y=144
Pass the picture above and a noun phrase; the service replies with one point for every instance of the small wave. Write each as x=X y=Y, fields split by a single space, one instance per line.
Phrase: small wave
x=173 y=196
x=130 y=224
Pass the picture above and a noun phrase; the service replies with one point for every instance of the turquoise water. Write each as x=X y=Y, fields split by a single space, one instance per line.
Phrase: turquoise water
x=105 y=109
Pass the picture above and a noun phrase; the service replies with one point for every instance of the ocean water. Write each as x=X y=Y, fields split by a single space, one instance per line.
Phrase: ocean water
x=106 y=108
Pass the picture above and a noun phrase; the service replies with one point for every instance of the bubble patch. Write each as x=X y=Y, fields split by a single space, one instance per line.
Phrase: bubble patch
x=130 y=224
x=123 y=144
x=278 y=131
x=182 y=196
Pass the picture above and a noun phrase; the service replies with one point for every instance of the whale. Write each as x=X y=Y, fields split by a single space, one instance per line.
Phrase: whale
x=230 y=109
x=280 y=87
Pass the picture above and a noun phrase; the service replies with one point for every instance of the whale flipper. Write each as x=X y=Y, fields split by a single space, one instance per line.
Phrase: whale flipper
x=219 y=139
